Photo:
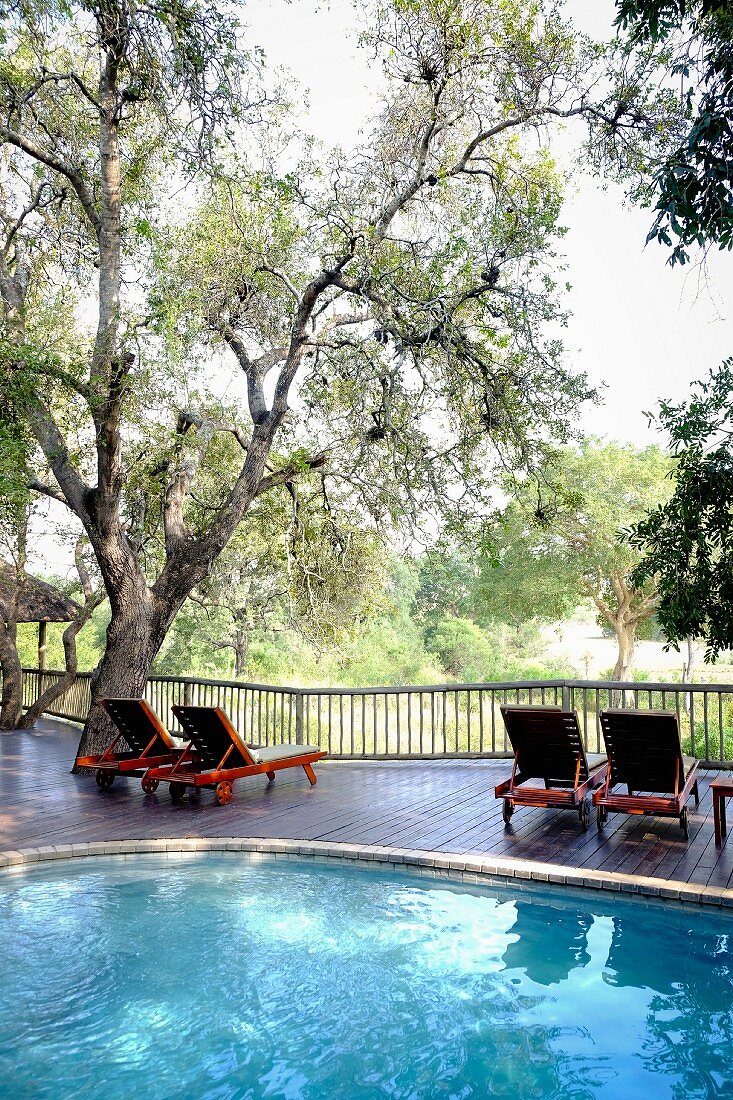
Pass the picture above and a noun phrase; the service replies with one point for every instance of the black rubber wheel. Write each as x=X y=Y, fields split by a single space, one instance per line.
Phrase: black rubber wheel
x=584 y=813
x=177 y=790
x=149 y=784
x=104 y=779
x=508 y=810
x=683 y=823
x=601 y=817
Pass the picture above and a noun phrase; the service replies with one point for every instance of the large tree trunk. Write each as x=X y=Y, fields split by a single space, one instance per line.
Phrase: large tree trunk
x=134 y=636
x=11 y=703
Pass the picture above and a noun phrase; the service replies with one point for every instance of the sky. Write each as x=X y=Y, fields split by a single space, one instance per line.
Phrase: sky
x=641 y=330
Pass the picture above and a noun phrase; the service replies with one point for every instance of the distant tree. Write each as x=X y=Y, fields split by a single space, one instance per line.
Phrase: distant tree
x=302 y=564
x=691 y=185
x=519 y=583
x=569 y=541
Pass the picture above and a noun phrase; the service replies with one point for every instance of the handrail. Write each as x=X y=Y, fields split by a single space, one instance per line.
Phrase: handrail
x=417 y=721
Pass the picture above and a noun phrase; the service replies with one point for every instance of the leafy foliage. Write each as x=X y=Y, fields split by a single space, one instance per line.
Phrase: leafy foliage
x=694 y=180
x=687 y=542
x=565 y=540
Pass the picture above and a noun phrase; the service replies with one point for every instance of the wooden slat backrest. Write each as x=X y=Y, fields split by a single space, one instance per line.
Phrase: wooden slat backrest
x=139 y=725
x=547 y=743
x=644 y=749
x=212 y=735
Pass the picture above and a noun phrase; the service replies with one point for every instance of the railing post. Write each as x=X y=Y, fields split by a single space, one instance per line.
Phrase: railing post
x=565 y=695
x=299 y=718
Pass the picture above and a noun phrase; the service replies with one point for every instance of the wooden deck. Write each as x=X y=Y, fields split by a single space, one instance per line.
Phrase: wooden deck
x=445 y=805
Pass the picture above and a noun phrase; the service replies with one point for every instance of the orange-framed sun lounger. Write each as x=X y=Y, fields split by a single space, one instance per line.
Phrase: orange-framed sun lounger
x=219 y=756
x=149 y=743
x=548 y=746
x=645 y=754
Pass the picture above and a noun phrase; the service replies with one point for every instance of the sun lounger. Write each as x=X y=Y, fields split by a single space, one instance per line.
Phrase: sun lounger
x=645 y=754
x=220 y=756
x=149 y=743
x=548 y=746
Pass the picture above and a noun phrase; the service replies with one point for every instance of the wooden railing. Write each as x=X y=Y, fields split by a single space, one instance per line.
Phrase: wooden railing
x=428 y=721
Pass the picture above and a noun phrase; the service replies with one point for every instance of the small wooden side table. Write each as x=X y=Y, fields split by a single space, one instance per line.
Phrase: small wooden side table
x=722 y=788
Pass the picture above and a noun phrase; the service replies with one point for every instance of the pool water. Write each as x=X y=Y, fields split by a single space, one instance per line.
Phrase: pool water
x=218 y=977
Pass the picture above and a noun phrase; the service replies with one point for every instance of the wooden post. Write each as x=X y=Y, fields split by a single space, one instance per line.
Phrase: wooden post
x=566 y=696
x=42 y=646
x=299 y=719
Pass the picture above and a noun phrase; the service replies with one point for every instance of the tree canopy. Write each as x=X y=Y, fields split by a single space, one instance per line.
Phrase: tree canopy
x=692 y=184
x=388 y=312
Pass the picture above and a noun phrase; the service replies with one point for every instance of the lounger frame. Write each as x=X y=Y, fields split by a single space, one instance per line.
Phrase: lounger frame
x=554 y=752
x=196 y=770
x=628 y=748
x=135 y=761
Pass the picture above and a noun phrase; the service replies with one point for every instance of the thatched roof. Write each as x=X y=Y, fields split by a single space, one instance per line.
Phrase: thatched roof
x=39 y=602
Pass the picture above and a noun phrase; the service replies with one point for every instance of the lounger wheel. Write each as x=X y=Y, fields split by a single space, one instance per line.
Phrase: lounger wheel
x=149 y=784
x=683 y=823
x=223 y=793
x=584 y=813
x=104 y=778
x=601 y=817
x=177 y=791
x=508 y=810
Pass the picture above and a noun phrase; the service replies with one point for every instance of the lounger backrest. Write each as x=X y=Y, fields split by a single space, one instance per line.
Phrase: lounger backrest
x=547 y=743
x=644 y=748
x=212 y=734
x=139 y=725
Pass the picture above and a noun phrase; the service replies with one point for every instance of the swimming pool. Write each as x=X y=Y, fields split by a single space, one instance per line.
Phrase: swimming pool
x=220 y=977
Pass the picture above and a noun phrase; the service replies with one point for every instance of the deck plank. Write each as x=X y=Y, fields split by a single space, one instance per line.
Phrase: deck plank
x=445 y=805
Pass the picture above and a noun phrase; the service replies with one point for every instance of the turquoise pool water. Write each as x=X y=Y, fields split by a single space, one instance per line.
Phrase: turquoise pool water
x=221 y=978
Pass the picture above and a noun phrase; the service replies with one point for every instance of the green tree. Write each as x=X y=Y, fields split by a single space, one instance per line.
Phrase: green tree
x=692 y=184
x=388 y=310
x=571 y=539
x=300 y=565
x=687 y=540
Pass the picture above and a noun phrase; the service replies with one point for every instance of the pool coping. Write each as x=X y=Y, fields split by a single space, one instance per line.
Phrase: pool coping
x=473 y=869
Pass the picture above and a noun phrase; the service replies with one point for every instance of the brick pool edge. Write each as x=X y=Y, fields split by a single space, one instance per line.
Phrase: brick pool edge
x=441 y=865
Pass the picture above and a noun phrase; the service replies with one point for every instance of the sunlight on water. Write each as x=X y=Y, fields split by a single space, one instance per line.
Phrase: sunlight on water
x=217 y=978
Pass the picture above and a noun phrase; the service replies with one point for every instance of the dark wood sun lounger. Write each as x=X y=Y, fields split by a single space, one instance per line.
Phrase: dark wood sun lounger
x=149 y=743
x=645 y=754
x=220 y=756
x=548 y=746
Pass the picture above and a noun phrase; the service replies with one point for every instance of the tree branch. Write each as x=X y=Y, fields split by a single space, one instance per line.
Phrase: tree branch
x=73 y=175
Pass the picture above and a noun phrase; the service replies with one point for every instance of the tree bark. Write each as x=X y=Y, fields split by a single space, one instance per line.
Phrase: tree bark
x=134 y=636
x=240 y=644
x=626 y=638
x=11 y=702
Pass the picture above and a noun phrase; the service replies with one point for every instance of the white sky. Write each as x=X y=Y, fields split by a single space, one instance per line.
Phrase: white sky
x=643 y=330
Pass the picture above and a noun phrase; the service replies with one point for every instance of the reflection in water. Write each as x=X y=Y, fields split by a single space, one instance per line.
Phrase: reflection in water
x=223 y=979
x=550 y=942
